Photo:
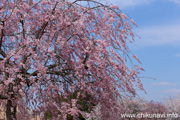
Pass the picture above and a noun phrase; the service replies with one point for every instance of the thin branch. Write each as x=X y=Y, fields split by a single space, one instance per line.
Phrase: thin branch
x=2 y=53
x=3 y=97
x=2 y=34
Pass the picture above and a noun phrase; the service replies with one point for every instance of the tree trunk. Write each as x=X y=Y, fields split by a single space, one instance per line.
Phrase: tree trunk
x=10 y=108
x=10 y=113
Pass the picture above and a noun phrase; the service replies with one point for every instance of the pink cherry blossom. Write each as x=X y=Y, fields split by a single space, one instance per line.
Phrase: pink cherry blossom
x=64 y=59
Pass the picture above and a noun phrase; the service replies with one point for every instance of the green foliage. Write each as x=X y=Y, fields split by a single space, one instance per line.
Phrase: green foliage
x=47 y=115
x=83 y=102
x=69 y=117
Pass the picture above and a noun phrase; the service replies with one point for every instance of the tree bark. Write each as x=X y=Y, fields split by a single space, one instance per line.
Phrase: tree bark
x=10 y=108
x=10 y=115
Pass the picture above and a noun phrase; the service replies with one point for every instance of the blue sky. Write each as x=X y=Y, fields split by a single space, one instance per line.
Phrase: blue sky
x=159 y=47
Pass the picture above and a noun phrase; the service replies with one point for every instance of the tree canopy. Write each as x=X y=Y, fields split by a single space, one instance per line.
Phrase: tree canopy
x=62 y=58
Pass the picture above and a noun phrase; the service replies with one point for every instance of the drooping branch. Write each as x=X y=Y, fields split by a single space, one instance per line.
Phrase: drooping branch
x=2 y=33
x=45 y=24
x=59 y=51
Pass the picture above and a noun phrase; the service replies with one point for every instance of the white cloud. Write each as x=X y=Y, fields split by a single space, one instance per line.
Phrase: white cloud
x=175 y=1
x=129 y=3
x=172 y=91
x=177 y=55
x=164 y=83
x=159 y=35
x=121 y=3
